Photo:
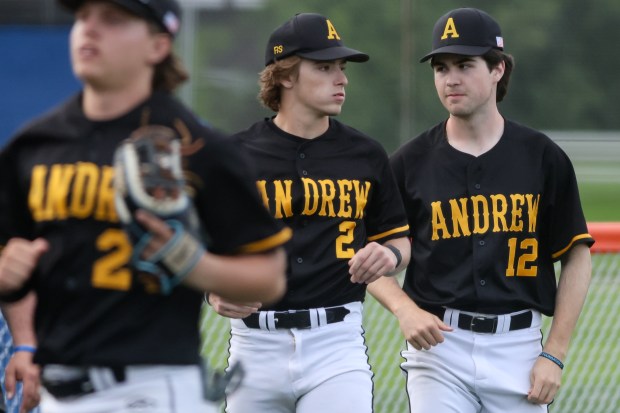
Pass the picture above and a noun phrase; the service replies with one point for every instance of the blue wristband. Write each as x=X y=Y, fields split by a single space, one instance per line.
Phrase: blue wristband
x=27 y=349
x=554 y=359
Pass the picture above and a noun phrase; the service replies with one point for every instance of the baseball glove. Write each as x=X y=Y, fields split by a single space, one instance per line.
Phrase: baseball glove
x=217 y=384
x=148 y=175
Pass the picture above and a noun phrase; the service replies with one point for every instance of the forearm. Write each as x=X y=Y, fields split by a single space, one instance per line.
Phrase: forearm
x=390 y=295
x=572 y=289
x=19 y=316
x=404 y=246
x=255 y=277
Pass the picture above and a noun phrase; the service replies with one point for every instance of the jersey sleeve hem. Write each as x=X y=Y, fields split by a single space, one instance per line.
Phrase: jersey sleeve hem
x=588 y=240
x=404 y=229
x=268 y=243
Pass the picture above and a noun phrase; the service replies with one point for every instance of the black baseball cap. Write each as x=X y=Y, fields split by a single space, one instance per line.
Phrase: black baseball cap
x=166 y=13
x=467 y=31
x=311 y=36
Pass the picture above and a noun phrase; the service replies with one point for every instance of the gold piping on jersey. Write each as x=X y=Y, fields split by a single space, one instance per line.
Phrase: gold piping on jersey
x=268 y=243
x=390 y=232
x=570 y=244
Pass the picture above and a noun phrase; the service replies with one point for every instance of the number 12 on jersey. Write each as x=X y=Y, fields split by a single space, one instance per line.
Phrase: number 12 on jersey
x=524 y=253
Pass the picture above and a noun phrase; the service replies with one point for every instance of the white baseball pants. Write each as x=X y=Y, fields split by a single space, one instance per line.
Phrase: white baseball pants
x=474 y=372
x=321 y=369
x=152 y=389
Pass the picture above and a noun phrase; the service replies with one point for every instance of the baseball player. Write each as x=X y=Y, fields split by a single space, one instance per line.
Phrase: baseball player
x=110 y=338
x=492 y=205
x=333 y=186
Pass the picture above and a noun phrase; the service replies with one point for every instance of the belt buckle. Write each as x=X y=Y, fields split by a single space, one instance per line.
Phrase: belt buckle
x=283 y=313
x=482 y=319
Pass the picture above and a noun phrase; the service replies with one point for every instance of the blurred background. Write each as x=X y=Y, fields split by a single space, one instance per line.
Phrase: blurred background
x=564 y=83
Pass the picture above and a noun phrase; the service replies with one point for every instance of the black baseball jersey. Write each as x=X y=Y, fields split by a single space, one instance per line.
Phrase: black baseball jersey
x=57 y=184
x=337 y=193
x=487 y=229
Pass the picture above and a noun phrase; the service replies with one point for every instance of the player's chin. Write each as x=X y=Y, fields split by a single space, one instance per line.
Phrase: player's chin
x=459 y=112
x=334 y=110
x=84 y=74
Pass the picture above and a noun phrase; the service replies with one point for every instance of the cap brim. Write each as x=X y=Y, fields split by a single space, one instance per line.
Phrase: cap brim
x=335 y=53
x=458 y=49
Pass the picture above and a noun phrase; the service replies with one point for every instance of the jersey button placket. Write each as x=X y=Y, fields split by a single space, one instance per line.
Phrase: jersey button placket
x=481 y=244
x=301 y=157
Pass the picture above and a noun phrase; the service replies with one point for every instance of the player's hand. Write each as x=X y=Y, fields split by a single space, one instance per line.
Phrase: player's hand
x=21 y=368
x=160 y=231
x=231 y=309
x=421 y=329
x=370 y=263
x=17 y=261
x=545 y=380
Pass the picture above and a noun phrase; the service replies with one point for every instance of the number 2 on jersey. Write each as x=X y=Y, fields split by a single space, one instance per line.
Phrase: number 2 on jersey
x=110 y=271
x=346 y=228
x=527 y=253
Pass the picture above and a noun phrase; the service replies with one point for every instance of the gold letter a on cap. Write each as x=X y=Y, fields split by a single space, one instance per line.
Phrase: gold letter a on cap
x=332 y=33
x=449 y=30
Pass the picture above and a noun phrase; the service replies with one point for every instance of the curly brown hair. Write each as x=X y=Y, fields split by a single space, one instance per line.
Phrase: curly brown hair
x=270 y=81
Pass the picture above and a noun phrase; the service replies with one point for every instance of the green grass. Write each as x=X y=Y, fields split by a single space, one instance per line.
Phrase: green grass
x=601 y=200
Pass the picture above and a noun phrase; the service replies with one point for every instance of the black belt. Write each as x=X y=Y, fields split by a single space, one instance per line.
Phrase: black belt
x=297 y=318
x=487 y=323
x=78 y=386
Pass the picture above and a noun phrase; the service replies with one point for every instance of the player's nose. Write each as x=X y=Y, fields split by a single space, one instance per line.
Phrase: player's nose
x=341 y=78
x=452 y=78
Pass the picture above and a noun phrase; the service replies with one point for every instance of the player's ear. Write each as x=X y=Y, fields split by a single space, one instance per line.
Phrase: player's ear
x=160 y=48
x=498 y=71
x=287 y=81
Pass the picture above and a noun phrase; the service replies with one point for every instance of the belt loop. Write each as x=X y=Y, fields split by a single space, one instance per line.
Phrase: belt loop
x=101 y=378
x=451 y=317
x=262 y=320
x=503 y=323
x=322 y=317
x=271 y=320
x=536 y=319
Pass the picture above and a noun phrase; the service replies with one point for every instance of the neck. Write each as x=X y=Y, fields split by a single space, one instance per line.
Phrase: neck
x=304 y=127
x=106 y=104
x=477 y=134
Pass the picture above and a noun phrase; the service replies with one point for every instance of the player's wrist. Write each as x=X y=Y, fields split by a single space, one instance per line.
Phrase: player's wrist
x=397 y=254
x=552 y=358
x=25 y=348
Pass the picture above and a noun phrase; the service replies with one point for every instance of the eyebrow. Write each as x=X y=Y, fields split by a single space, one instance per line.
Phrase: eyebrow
x=463 y=59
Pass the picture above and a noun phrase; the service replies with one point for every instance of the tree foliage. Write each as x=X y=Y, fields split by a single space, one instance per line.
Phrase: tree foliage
x=565 y=53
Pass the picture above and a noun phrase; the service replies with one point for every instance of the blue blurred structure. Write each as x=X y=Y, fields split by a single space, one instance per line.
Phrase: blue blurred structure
x=35 y=73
